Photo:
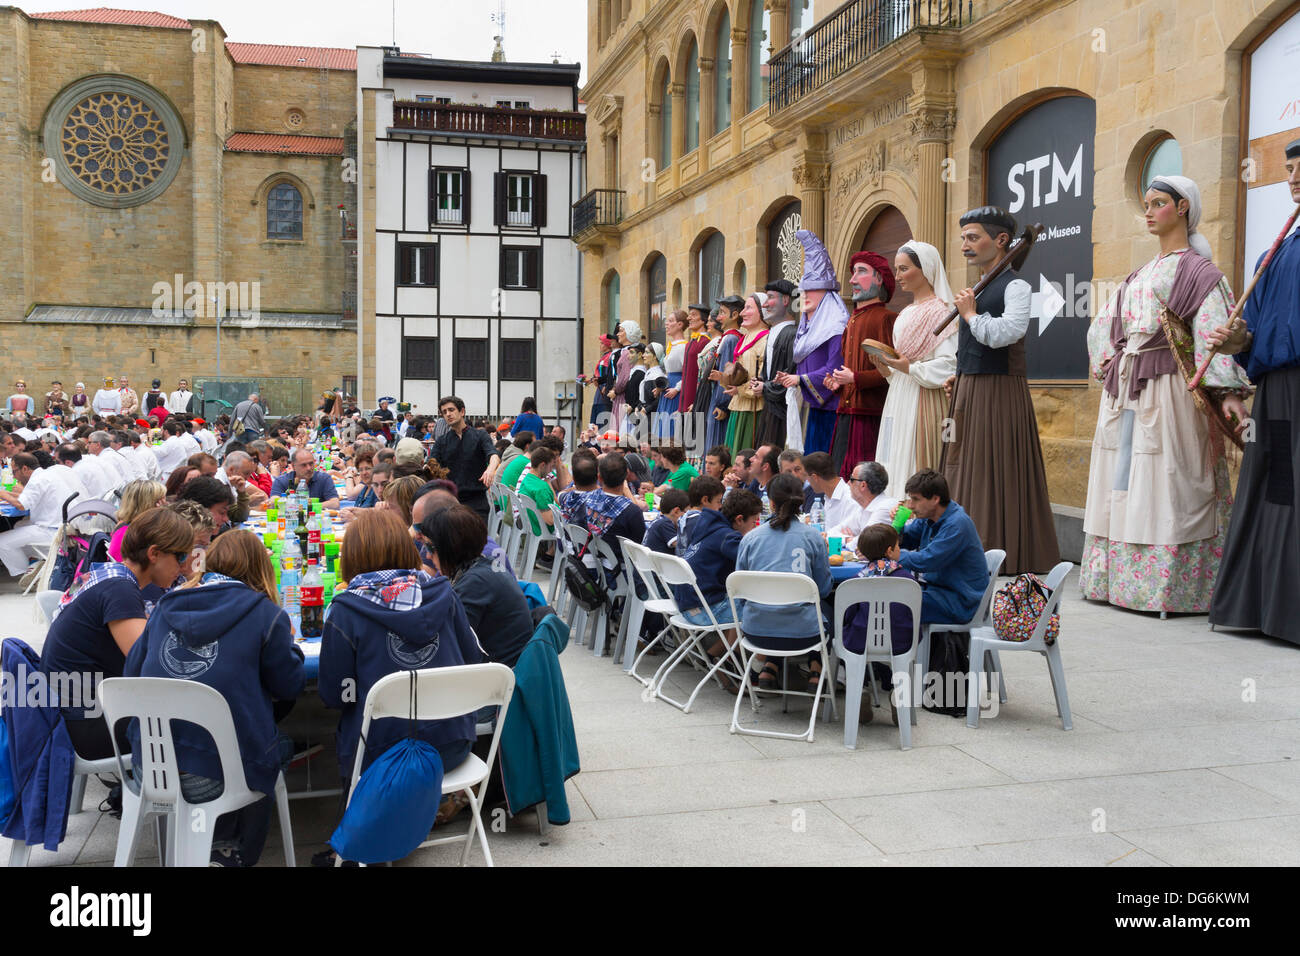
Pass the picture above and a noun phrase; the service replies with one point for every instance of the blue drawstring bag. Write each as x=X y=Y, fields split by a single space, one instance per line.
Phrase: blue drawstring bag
x=394 y=803
x=7 y=795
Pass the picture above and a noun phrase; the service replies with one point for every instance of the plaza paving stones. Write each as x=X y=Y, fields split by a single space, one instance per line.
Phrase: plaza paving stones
x=1185 y=750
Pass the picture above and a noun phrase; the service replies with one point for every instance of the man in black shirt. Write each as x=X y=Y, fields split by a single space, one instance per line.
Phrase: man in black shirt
x=468 y=455
x=383 y=413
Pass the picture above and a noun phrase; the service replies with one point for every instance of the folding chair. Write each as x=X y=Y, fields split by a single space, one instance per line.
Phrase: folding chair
x=442 y=693
x=674 y=571
x=155 y=702
x=993 y=561
x=659 y=600
x=576 y=615
x=556 y=592
x=607 y=560
x=781 y=589
x=984 y=640
x=879 y=594
x=496 y=494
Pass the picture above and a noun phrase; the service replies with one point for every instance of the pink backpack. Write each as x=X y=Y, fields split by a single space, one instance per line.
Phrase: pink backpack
x=1017 y=606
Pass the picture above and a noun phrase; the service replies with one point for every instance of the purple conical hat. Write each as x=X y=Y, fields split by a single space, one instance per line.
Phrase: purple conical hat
x=818 y=273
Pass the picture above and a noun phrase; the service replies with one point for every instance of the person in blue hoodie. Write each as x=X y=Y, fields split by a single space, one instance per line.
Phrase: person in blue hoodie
x=224 y=629
x=715 y=540
x=391 y=617
x=941 y=545
x=784 y=544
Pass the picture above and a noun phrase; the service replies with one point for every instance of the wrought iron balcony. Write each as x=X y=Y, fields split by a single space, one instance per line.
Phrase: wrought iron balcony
x=848 y=37
x=600 y=209
x=489 y=121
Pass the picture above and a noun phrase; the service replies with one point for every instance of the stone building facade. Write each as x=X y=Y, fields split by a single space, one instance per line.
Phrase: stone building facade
x=879 y=120
x=142 y=152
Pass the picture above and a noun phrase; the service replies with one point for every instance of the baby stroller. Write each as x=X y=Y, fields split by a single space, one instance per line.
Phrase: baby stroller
x=80 y=542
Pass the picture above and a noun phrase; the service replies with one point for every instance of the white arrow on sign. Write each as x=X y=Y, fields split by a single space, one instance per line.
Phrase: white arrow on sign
x=1046 y=303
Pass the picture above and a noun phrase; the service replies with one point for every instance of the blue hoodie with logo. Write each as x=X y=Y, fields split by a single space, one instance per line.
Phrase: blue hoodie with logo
x=711 y=554
x=365 y=641
x=234 y=639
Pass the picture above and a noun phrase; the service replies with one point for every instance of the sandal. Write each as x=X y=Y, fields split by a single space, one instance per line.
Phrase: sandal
x=814 y=676
x=728 y=684
x=769 y=677
x=451 y=807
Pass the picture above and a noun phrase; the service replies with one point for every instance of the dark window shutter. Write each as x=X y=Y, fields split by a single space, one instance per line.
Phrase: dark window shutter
x=435 y=264
x=539 y=200
x=498 y=199
x=464 y=197
x=501 y=269
x=535 y=269
x=433 y=197
x=403 y=265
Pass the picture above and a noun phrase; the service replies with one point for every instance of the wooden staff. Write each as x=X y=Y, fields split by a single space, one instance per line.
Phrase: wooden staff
x=1013 y=258
x=1241 y=303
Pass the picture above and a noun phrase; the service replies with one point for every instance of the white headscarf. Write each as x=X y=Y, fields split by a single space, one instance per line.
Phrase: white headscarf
x=1189 y=191
x=932 y=268
x=631 y=330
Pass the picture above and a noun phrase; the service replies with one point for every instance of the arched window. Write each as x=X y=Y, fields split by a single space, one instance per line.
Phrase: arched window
x=611 y=301
x=1164 y=158
x=760 y=26
x=711 y=268
x=692 y=98
x=722 y=76
x=657 y=286
x=666 y=123
x=283 y=212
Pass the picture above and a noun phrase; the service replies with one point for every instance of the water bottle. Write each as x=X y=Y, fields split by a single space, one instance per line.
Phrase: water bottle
x=304 y=499
x=767 y=505
x=289 y=596
x=818 y=515
x=7 y=478
x=313 y=538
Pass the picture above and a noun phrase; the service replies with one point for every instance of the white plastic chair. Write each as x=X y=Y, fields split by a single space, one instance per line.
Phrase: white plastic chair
x=48 y=602
x=993 y=561
x=441 y=693
x=20 y=852
x=607 y=559
x=781 y=589
x=156 y=702
x=879 y=593
x=984 y=640
x=659 y=600
x=495 y=517
x=674 y=571
x=41 y=552
x=508 y=534
x=531 y=541
x=556 y=593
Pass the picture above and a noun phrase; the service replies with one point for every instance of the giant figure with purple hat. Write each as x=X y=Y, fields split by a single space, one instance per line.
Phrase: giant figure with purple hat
x=817 y=343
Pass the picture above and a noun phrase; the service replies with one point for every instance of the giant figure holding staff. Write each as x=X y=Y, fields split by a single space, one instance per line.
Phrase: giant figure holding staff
x=1257 y=586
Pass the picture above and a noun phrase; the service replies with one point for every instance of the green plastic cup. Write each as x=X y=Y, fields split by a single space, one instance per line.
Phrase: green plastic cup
x=903 y=517
x=269 y=538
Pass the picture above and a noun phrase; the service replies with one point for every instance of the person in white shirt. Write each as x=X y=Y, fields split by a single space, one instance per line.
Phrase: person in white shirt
x=173 y=452
x=204 y=436
x=44 y=492
x=867 y=485
x=835 y=494
x=108 y=400
x=178 y=403
x=192 y=446
x=143 y=455
x=120 y=444
x=100 y=445
x=97 y=479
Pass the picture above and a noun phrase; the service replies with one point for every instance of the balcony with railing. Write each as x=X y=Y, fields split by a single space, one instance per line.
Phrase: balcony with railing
x=597 y=215
x=848 y=37
x=490 y=121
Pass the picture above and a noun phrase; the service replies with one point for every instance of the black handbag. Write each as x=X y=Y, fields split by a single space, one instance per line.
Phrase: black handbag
x=581 y=585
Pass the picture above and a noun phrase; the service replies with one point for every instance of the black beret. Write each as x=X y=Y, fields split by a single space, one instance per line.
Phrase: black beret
x=999 y=219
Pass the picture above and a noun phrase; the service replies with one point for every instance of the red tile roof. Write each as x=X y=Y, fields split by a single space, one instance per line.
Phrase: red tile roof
x=285 y=143
x=309 y=57
x=135 y=18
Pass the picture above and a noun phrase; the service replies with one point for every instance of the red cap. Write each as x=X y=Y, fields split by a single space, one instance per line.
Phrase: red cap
x=880 y=264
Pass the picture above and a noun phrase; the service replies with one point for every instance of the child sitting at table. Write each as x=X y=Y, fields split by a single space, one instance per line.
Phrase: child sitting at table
x=703 y=493
x=662 y=533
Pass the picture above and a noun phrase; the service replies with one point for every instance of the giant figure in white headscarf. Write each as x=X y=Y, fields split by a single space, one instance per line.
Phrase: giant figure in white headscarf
x=911 y=426
x=1158 y=492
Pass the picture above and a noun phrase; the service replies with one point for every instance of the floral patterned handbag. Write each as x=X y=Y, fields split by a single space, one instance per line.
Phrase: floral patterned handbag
x=1017 y=606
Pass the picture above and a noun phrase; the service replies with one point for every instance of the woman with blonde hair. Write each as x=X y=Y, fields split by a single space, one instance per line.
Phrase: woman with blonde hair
x=138 y=497
x=225 y=629
x=399 y=496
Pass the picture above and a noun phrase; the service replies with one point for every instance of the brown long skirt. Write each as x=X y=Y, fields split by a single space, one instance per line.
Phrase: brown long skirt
x=994 y=467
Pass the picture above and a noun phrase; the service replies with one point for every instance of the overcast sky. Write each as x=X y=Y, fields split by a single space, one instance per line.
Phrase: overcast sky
x=535 y=29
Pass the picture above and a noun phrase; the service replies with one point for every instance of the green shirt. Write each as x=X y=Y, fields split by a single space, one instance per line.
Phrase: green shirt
x=681 y=478
x=540 y=492
x=509 y=475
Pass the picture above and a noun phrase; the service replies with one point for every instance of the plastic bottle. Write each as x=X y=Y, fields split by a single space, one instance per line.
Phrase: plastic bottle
x=313 y=601
x=289 y=594
x=303 y=498
x=767 y=505
x=313 y=538
x=818 y=515
x=7 y=478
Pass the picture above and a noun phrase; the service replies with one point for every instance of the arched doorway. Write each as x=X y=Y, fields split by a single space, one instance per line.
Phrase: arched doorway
x=884 y=234
x=656 y=285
